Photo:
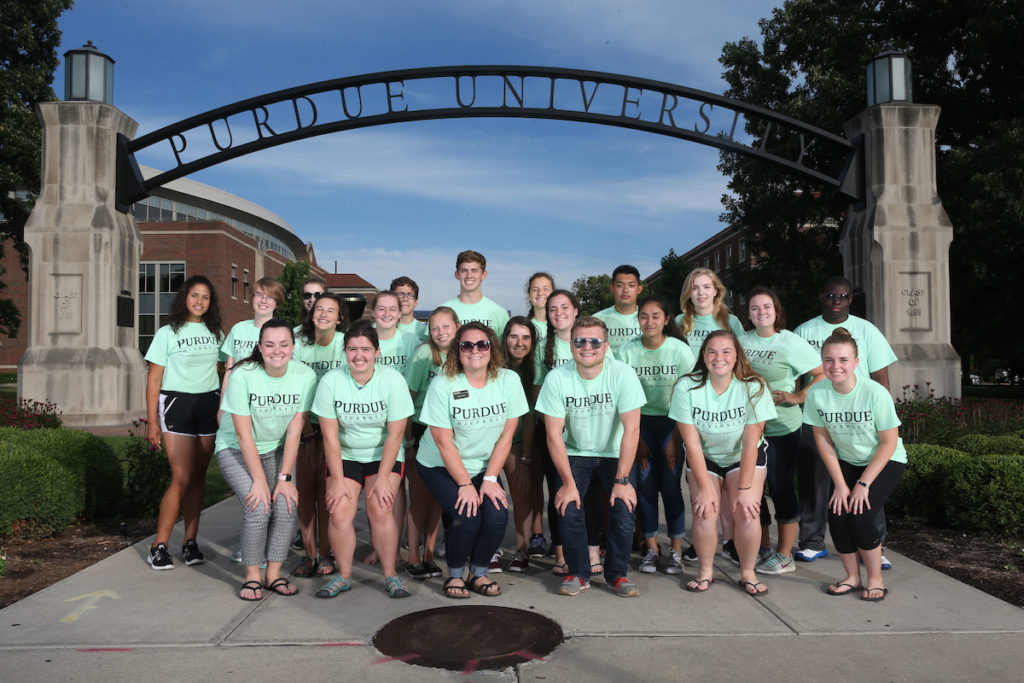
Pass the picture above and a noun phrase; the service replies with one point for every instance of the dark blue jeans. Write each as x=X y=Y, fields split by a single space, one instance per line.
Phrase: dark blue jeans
x=620 y=521
x=657 y=478
x=475 y=537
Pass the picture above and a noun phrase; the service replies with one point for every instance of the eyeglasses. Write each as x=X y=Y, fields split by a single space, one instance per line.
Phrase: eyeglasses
x=260 y=295
x=482 y=345
x=581 y=342
x=836 y=297
x=405 y=295
x=311 y=295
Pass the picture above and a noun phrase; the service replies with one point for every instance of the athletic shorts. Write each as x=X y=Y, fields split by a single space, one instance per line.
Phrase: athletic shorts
x=720 y=471
x=189 y=414
x=359 y=471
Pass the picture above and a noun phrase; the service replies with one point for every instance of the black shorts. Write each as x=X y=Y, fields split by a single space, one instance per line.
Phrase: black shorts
x=359 y=471
x=189 y=414
x=721 y=472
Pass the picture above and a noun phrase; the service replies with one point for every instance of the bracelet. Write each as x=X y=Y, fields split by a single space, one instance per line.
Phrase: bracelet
x=469 y=484
x=493 y=478
x=743 y=488
x=864 y=484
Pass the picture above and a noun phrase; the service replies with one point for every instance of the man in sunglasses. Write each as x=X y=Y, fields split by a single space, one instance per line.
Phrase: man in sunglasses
x=591 y=409
x=875 y=358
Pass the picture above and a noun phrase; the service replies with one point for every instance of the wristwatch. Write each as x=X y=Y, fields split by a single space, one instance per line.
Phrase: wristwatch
x=622 y=480
x=493 y=478
x=284 y=477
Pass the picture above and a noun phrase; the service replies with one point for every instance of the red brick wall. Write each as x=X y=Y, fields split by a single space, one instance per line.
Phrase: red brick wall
x=16 y=280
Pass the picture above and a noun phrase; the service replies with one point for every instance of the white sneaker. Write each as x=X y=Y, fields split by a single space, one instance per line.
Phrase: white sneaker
x=495 y=566
x=649 y=565
x=675 y=563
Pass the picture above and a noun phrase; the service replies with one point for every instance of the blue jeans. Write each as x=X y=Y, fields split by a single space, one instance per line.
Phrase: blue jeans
x=620 y=521
x=475 y=537
x=657 y=477
x=783 y=453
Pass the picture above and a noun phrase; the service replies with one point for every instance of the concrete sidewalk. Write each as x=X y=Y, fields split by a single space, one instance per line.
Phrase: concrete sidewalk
x=119 y=620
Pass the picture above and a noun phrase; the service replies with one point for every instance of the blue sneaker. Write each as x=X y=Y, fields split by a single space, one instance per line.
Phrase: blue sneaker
x=809 y=554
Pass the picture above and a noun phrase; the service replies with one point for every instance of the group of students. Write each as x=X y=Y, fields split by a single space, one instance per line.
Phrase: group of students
x=608 y=409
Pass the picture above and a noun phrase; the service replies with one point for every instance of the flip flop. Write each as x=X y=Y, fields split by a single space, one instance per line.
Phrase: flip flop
x=560 y=569
x=281 y=585
x=596 y=569
x=747 y=585
x=697 y=584
x=251 y=586
x=834 y=589
x=867 y=598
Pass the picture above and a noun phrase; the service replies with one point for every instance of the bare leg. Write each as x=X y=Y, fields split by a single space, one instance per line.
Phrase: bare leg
x=342 y=531
x=747 y=531
x=383 y=527
x=307 y=486
x=705 y=539
x=181 y=452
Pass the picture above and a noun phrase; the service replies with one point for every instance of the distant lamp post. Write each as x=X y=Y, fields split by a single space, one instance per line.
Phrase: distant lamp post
x=889 y=78
x=88 y=75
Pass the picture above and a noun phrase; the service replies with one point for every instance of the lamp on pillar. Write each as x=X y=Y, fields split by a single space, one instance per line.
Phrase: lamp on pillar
x=88 y=75
x=889 y=78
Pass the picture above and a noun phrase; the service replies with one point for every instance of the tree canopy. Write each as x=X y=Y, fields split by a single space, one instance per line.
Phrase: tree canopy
x=594 y=293
x=292 y=277
x=967 y=58
x=29 y=38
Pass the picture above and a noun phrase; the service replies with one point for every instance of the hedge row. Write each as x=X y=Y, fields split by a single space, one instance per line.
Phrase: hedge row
x=50 y=476
x=952 y=488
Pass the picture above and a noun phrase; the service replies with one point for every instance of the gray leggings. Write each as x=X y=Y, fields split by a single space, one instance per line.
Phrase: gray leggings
x=264 y=535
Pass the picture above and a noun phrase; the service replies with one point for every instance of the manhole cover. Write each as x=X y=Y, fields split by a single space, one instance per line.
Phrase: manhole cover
x=469 y=638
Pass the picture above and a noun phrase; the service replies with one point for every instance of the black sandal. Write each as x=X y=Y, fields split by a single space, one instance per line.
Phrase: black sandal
x=280 y=586
x=251 y=586
x=456 y=592
x=308 y=568
x=490 y=590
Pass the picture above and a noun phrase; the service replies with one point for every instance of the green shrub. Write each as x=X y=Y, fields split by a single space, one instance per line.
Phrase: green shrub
x=88 y=461
x=28 y=414
x=149 y=474
x=983 y=444
x=37 y=492
x=928 y=419
x=954 y=489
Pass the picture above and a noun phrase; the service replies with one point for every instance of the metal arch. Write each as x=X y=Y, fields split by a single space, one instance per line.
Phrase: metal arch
x=795 y=137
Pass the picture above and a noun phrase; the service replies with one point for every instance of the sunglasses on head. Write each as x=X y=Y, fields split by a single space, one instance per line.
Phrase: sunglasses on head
x=482 y=345
x=581 y=342
x=312 y=295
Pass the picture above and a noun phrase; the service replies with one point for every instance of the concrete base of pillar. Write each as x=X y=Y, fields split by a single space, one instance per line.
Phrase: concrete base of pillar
x=924 y=369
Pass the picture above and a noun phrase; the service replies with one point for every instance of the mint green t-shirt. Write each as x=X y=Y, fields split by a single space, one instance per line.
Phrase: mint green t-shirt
x=484 y=311
x=562 y=354
x=417 y=327
x=621 y=328
x=872 y=348
x=854 y=420
x=270 y=402
x=188 y=356
x=396 y=352
x=780 y=359
x=592 y=407
x=241 y=340
x=321 y=359
x=721 y=419
x=363 y=412
x=540 y=332
x=658 y=369
x=475 y=416
x=703 y=325
x=418 y=375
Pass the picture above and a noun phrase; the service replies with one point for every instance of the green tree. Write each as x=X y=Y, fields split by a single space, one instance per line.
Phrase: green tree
x=28 y=57
x=810 y=65
x=674 y=269
x=594 y=293
x=292 y=277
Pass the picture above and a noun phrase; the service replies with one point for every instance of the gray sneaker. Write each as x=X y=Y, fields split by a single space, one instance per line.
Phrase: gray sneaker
x=573 y=585
x=675 y=563
x=624 y=588
x=777 y=563
x=649 y=565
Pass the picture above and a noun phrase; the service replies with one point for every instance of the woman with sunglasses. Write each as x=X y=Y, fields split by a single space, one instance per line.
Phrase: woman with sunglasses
x=321 y=346
x=472 y=409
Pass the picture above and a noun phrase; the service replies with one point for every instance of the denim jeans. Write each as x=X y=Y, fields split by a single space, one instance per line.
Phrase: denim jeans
x=475 y=537
x=658 y=478
x=620 y=521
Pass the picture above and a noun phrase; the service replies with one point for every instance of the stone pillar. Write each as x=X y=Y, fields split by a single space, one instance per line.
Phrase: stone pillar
x=83 y=254
x=896 y=246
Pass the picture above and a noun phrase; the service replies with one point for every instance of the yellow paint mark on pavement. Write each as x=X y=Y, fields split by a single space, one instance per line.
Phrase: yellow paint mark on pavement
x=90 y=602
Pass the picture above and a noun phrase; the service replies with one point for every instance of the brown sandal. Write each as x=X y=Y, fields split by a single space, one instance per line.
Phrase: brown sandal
x=490 y=590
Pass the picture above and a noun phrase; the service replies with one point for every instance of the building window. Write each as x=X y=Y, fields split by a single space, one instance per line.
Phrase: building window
x=234 y=280
x=707 y=261
x=718 y=261
x=743 y=250
x=728 y=256
x=245 y=284
x=158 y=284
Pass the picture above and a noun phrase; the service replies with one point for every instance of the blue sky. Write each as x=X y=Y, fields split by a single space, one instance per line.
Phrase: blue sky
x=404 y=199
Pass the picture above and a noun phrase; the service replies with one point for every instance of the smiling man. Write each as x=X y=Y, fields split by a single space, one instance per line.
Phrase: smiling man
x=621 y=318
x=471 y=305
x=591 y=410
